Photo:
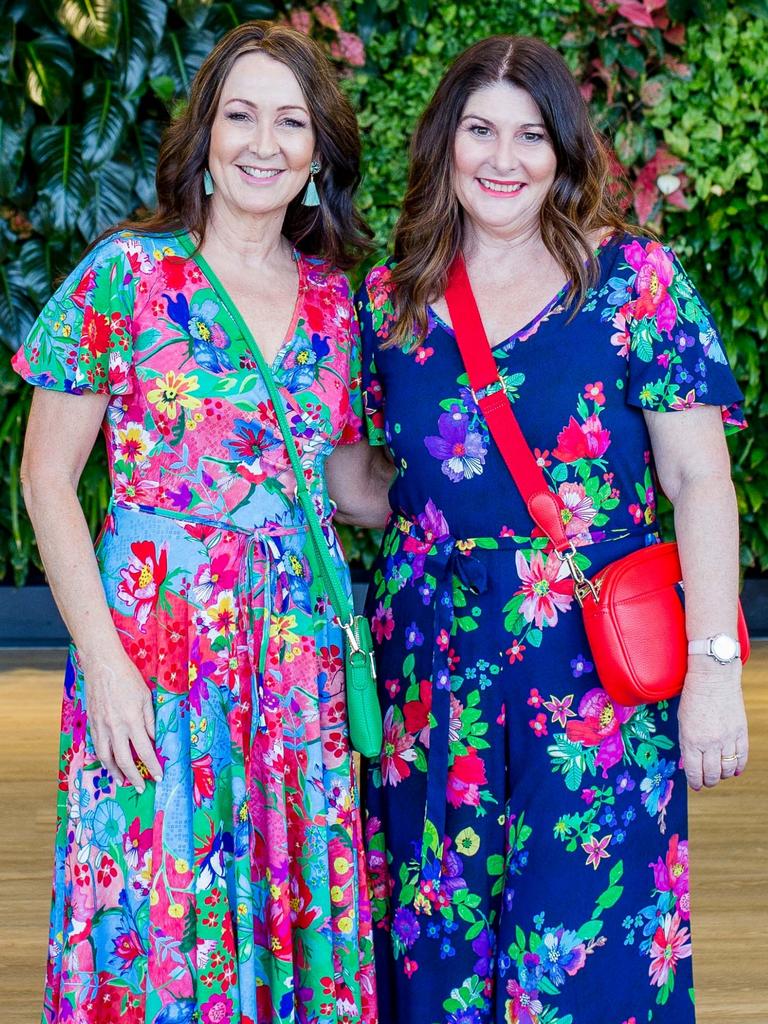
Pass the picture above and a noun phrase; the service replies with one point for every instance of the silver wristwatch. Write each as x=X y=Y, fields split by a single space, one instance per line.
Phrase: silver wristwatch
x=723 y=648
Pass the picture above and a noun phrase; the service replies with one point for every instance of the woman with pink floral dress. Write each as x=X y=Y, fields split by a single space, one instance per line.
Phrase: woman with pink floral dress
x=208 y=853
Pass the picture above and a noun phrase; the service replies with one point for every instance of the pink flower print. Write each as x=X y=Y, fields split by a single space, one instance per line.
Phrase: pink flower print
x=515 y=651
x=545 y=594
x=217 y=1010
x=422 y=354
x=383 y=623
x=595 y=392
x=587 y=440
x=655 y=271
x=397 y=750
x=539 y=724
x=543 y=460
x=670 y=945
x=525 y=1006
x=621 y=339
x=578 y=511
x=466 y=775
x=596 y=850
x=671 y=874
x=534 y=699
x=600 y=727
x=560 y=710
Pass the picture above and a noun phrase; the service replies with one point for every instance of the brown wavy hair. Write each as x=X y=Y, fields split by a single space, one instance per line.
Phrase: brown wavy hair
x=334 y=229
x=430 y=230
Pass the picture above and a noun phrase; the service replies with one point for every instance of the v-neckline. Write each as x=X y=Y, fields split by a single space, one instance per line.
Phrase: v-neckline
x=527 y=329
x=215 y=282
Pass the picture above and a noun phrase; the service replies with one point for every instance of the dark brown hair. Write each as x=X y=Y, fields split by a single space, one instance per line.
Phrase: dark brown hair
x=334 y=229
x=429 y=232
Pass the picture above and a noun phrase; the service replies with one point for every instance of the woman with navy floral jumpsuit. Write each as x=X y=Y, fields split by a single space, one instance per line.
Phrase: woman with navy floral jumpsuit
x=527 y=836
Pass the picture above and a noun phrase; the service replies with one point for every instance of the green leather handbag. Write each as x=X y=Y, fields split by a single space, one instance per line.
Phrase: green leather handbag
x=363 y=708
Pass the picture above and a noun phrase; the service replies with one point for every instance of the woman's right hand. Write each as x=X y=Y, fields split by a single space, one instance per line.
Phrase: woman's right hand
x=120 y=716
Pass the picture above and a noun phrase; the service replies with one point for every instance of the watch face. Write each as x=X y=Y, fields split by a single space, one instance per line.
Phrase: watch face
x=724 y=647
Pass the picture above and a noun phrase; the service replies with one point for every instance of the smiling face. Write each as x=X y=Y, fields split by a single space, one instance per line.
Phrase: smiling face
x=262 y=138
x=504 y=162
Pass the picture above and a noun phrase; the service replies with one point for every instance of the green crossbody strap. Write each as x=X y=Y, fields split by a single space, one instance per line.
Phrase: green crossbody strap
x=322 y=564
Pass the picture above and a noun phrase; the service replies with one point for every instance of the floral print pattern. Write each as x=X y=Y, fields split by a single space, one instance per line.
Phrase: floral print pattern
x=233 y=891
x=526 y=834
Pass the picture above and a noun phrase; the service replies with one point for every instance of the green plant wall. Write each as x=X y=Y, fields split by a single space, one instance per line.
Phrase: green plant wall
x=677 y=87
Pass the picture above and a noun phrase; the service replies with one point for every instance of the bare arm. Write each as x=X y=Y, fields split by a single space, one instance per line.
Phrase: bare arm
x=60 y=435
x=358 y=477
x=694 y=472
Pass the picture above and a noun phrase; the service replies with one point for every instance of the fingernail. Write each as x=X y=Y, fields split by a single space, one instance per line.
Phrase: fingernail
x=158 y=778
x=139 y=789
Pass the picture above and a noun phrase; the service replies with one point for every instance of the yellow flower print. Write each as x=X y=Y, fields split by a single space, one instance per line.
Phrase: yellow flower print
x=133 y=443
x=222 y=615
x=173 y=392
x=468 y=842
x=281 y=629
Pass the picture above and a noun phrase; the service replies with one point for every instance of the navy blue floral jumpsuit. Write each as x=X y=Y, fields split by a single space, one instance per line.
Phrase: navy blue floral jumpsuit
x=526 y=836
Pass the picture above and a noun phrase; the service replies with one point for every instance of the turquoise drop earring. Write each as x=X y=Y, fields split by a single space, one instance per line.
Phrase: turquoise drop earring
x=311 y=198
x=208 y=182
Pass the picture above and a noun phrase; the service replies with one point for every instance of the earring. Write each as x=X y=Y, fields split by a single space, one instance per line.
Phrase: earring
x=208 y=185
x=311 y=198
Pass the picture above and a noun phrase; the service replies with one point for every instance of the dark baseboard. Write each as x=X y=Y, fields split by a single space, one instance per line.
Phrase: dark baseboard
x=29 y=617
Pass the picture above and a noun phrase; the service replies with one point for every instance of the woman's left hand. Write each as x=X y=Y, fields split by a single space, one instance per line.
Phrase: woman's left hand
x=713 y=723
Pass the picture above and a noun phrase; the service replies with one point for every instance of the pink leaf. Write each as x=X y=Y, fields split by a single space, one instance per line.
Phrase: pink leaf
x=327 y=17
x=678 y=199
x=636 y=12
x=675 y=35
x=644 y=203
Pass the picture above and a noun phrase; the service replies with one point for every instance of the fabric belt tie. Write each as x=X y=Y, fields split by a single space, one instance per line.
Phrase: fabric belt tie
x=262 y=537
x=447 y=563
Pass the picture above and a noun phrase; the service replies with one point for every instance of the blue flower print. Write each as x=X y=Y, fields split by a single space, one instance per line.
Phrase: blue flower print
x=580 y=666
x=563 y=951
x=461 y=450
x=406 y=926
x=301 y=363
x=446 y=949
x=657 y=786
x=625 y=783
x=208 y=339
x=413 y=637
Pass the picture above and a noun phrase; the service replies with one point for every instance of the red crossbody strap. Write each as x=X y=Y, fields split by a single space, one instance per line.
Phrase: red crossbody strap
x=488 y=389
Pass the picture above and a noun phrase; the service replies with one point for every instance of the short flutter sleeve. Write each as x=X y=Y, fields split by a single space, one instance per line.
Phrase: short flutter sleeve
x=354 y=428
x=676 y=354
x=374 y=307
x=82 y=340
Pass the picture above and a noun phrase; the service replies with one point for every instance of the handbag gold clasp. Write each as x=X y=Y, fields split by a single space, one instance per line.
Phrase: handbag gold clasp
x=582 y=587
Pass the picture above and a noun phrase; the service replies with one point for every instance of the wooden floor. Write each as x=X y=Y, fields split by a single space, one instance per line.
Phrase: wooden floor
x=729 y=838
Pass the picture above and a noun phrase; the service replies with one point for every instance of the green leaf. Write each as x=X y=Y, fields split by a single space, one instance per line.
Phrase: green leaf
x=35 y=264
x=143 y=26
x=104 y=123
x=13 y=141
x=179 y=56
x=112 y=188
x=611 y=896
x=616 y=872
x=93 y=23
x=17 y=312
x=48 y=71
x=590 y=930
x=7 y=49
x=534 y=637
x=67 y=189
x=194 y=12
x=495 y=864
x=409 y=665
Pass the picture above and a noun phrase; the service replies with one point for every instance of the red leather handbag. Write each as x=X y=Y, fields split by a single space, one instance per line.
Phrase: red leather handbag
x=633 y=613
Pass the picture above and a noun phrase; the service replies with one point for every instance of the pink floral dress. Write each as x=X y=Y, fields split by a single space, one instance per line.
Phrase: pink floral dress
x=234 y=890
